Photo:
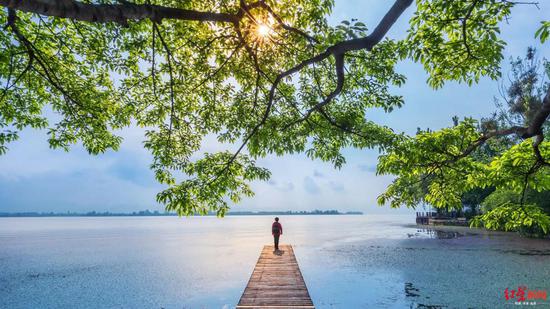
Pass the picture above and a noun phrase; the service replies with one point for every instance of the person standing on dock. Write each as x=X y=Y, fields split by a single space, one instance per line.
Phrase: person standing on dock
x=276 y=231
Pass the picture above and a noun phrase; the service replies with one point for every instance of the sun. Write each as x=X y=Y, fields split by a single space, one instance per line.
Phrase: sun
x=263 y=30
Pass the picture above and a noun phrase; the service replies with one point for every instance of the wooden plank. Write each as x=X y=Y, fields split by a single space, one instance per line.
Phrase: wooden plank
x=276 y=282
x=280 y=293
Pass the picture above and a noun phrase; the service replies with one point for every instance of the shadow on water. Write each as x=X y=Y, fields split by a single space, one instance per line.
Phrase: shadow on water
x=533 y=252
x=439 y=233
x=412 y=293
x=61 y=274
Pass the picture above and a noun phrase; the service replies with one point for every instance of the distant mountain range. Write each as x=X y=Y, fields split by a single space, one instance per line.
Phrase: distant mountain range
x=146 y=213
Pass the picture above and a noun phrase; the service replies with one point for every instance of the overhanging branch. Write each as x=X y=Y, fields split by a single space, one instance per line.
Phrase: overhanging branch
x=117 y=13
x=535 y=129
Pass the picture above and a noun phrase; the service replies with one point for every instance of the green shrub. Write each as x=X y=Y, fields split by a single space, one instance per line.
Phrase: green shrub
x=529 y=220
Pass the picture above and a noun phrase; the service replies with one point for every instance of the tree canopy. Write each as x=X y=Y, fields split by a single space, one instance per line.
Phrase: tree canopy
x=270 y=77
x=483 y=162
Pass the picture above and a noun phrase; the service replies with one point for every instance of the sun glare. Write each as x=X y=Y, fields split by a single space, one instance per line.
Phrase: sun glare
x=263 y=30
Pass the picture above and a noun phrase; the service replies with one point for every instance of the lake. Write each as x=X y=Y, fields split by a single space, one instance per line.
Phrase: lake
x=368 y=261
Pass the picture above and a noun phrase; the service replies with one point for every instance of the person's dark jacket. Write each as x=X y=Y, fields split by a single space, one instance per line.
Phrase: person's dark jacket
x=276 y=224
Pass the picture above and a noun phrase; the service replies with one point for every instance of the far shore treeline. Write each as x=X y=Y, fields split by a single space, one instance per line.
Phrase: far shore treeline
x=147 y=213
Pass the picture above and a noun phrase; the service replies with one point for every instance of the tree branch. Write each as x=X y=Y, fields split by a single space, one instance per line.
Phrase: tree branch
x=266 y=7
x=338 y=50
x=169 y=62
x=538 y=140
x=117 y=13
x=535 y=128
x=464 y=27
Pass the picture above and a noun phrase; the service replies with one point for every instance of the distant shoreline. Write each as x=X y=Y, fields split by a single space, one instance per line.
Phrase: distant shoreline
x=147 y=213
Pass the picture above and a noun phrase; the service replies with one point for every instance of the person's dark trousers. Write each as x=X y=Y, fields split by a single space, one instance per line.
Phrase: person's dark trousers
x=276 y=239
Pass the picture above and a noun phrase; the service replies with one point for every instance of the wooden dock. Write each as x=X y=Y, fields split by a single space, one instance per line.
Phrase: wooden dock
x=276 y=282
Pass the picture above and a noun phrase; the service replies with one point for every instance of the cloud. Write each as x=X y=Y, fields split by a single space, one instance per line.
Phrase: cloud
x=367 y=168
x=318 y=174
x=289 y=186
x=80 y=191
x=283 y=187
x=36 y=178
x=310 y=186
x=335 y=186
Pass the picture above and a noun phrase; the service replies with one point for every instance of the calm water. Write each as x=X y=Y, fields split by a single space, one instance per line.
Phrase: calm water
x=347 y=262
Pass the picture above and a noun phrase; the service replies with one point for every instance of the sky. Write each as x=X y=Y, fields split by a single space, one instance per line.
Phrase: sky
x=36 y=178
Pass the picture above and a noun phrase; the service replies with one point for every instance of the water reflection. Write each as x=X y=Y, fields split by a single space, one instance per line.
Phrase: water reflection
x=351 y=262
x=439 y=233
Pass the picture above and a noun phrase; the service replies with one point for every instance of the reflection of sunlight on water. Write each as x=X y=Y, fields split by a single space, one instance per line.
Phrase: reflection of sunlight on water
x=347 y=261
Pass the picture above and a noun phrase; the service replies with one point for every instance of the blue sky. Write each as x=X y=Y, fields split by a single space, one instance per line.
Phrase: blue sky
x=36 y=178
